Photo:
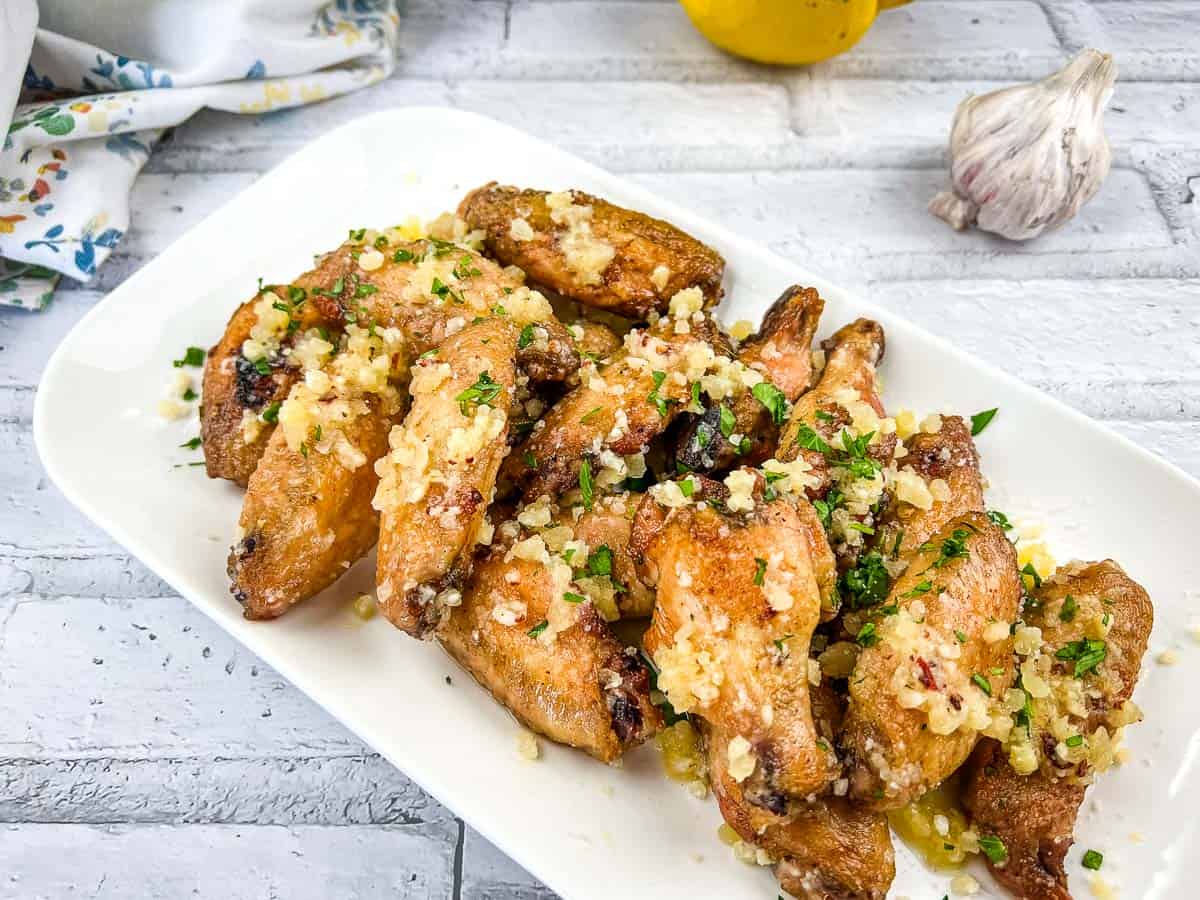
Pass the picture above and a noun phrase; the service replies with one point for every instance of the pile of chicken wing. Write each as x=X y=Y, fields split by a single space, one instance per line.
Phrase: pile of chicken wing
x=531 y=411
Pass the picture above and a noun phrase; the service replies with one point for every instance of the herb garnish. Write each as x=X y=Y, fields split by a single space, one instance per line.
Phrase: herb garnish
x=760 y=570
x=481 y=393
x=586 y=489
x=773 y=399
x=980 y=420
x=1086 y=653
x=193 y=356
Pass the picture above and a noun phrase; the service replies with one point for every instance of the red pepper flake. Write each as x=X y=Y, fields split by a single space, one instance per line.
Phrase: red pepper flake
x=927 y=677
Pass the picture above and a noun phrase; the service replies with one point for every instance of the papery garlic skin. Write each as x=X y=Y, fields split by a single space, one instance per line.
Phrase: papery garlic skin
x=1024 y=159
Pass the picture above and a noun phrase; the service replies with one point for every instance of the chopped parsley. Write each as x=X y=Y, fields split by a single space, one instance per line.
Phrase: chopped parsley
x=1032 y=573
x=192 y=444
x=1069 y=608
x=403 y=256
x=867 y=583
x=481 y=393
x=601 y=561
x=826 y=507
x=993 y=848
x=923 y=588
x=659 y=403
x=982 y=683
x=980 y=420
x=529 y=459
x=867 y=636
x=538 y=628
x=779 y=642
x=1086 y=653
x=951 y=548
x=362 y=289
x=1000 y=519
x=687 y=487
x=526 y=337
x=271 y=413
x=823 y=416
x=960 y=636
x=192 y=356
x=1093 y=859
x=810 y=440
x=189 y=395
x=590 y=414
x=586 y=487
x=1075 y=740
x=727 y=421
x=760 y=570
x=572 y=597
x=773 y=399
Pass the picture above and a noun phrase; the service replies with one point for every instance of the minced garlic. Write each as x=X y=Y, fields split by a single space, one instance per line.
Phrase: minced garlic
x=586 y=255
x=527 y=745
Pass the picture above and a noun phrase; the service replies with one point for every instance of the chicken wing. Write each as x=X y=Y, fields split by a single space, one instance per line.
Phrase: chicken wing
x=845 y=397
x=307 y=515
x=937 y=479
x=589 y=250
x=744 y=430
x=439 y=476
x=1081 y=647
x=426 y=288
x=608 y=527
x=576 y=683
x=933 y=659
x=738 y=600
x=619 y=407
x=828 y=849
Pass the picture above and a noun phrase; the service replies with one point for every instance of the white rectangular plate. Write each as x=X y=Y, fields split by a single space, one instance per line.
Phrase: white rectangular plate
x=587 y=830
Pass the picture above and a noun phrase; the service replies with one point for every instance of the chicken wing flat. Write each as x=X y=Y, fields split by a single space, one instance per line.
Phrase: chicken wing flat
x=934 y=658
x=251 y=367
x=439 y=476
x=1085 y=633
x=950 y=485
x=589 y=250
x=828 y=849
x=575 y=684
x=744 y=430
x=620 y=407
x=738 y=600
x=307 y=517
x=425 y=288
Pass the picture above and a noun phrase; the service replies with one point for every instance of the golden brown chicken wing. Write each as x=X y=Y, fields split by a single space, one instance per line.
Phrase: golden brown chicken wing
x=575 y=684
x=425 y=288
x=844 y=399
x=828 y=849
x=438 y=479
x=738 y=600
x=589 y=250
x=307 y=515
x=619 y=407
x=937 y=479
x=933 y=659
x=1081 y=648
x=745 y=430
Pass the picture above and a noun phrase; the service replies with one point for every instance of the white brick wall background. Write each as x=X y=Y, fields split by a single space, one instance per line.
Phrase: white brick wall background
x=143 y=753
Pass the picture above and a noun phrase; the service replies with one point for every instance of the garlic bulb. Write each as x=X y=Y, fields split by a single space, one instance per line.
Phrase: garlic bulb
x=1025 y=159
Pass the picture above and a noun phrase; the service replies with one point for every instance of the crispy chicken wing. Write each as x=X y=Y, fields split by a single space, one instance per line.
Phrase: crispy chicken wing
x=936 y=654
x=828 y=849
x=619 y=407
x=846 y=394
x=915 y=512
x=578 y=686
x=438 y=479
x=425 y=288
x=307 y=516
x=743 y=431
x=738 y=600
x=589 y=250
x=1095 y=623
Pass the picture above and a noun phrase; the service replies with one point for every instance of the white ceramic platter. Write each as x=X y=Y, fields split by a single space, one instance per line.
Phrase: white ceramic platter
x=590 y=832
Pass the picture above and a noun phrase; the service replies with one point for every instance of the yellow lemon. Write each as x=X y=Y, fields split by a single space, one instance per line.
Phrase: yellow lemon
x=791 y=32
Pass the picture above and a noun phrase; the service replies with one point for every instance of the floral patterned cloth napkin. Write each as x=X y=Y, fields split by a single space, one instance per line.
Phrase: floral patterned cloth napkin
x=89 y=117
